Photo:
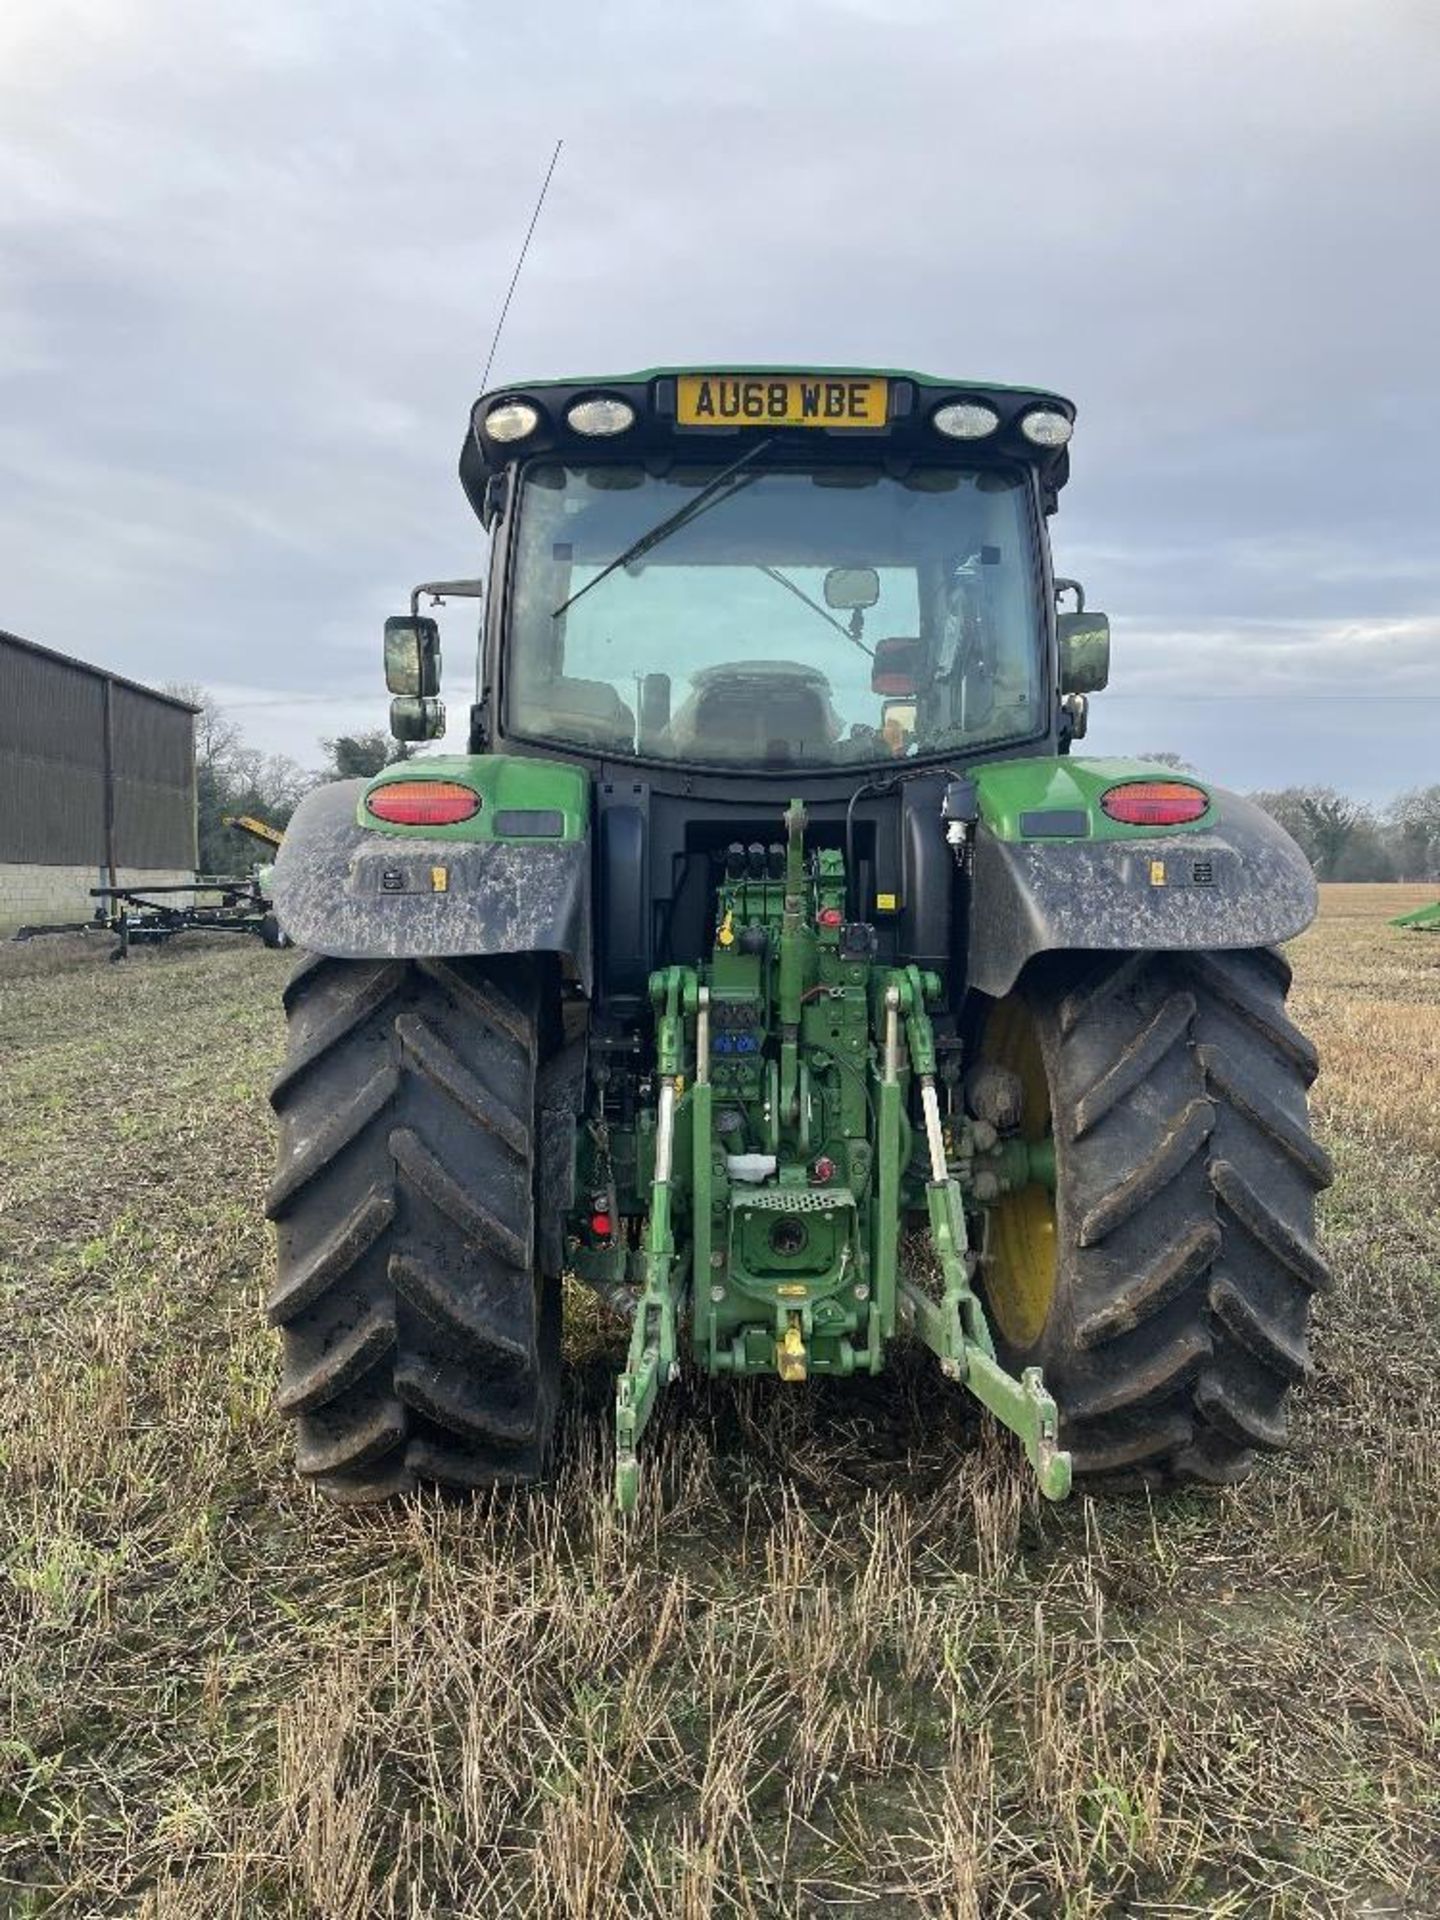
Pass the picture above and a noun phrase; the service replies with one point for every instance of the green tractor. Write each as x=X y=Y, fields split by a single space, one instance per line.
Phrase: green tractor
x=770 y=965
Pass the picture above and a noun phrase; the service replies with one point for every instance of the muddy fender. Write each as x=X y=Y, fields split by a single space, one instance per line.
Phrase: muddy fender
x=1241 y=881
x=345 y=890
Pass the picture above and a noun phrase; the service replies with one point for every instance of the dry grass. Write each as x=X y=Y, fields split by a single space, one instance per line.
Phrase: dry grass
x=843 y=1659
x=1370 y=993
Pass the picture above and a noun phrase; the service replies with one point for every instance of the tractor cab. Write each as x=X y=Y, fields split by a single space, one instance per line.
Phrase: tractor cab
x=754 y=573
x=709 y=592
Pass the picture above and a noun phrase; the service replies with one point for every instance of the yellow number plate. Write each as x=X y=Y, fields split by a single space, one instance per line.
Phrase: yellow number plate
x=781 y=400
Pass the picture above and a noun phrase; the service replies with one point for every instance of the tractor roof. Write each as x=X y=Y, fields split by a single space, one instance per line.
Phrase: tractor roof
x=840 y=414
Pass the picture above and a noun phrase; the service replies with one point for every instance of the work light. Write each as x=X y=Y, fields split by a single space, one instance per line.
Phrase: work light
x=601 y=415
x=511 y=420
x=1044 y=428
x=966 y=420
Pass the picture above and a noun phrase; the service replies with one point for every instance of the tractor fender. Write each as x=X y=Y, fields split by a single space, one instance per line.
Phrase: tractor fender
x=1238 y=881
x=345 y=890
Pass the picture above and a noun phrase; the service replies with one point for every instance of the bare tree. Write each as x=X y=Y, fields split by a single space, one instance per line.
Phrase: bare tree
x=1332 y=820
x=1414 y=822
x=359 y=756
x=231 y=778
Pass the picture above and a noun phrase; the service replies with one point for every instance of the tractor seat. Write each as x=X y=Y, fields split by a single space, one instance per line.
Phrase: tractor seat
x=770 y=711
x=589 y=712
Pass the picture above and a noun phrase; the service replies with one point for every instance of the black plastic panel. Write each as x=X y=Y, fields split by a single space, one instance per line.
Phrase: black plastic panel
x=1056 y=823
x=623 y=892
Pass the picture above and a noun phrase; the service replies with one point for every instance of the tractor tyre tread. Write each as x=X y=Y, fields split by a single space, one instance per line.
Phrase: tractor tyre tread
x=418 y=1342
x=1187 y=1177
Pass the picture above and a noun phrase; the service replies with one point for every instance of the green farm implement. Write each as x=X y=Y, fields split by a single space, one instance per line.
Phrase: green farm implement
x=1422 y=920
x=770 y=964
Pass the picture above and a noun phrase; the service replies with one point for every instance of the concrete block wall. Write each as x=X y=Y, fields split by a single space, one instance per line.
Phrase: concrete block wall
x=32 y=894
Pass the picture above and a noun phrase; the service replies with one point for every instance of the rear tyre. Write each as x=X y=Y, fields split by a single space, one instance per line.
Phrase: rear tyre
x=1166 y=1287
x=419 y=1344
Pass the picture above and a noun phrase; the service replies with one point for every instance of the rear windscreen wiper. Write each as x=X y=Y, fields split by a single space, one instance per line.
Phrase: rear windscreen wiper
x=709 y=495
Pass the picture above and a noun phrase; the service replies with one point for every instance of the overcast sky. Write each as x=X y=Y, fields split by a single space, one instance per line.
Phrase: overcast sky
x=252 y=255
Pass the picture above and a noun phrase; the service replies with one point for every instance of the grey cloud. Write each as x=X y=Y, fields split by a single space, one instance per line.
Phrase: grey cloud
x=252 y=264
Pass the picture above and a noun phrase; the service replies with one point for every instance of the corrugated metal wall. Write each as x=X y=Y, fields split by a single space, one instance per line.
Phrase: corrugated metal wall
x=154 y=746
x=52 y=760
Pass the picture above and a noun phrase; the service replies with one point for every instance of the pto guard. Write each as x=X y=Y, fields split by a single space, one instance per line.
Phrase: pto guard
x=356 y=893
x=1238 y=880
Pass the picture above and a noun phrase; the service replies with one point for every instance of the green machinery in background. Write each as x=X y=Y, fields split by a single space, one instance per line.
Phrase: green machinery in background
x=1420 y=920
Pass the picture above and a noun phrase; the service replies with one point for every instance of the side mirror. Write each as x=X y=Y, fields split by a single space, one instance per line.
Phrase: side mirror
x=1084 y=651
x=417 y=718
x=895 y=668
x=1077 y=711
x=412 y=656
x=849 y=587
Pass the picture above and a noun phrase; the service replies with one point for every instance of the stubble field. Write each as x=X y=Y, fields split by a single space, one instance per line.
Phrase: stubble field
x=843 y=1660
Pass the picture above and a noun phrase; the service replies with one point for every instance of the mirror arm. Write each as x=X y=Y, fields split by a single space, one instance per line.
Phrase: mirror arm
x=1064 y=585
x=441 y=590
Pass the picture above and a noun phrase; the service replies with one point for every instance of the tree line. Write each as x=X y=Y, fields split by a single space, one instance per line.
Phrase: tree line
x=1343 y=839
x=232 y=778
x=1346 y=840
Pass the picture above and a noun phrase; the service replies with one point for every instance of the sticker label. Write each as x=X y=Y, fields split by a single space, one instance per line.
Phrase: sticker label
x=1157 y=873
x=439 y=879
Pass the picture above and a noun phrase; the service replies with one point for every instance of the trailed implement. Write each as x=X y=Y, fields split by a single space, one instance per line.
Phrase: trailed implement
x=150 y=916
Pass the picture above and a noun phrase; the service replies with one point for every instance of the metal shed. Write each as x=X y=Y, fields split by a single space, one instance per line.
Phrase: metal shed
x=97 y=783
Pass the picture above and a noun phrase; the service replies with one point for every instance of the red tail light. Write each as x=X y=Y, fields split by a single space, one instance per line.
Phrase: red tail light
x=1155 y=803
x=423 y=803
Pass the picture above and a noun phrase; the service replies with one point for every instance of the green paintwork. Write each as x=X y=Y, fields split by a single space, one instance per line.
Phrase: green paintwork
x=646 y=374
x=1422 y=920
x=1061 y=783
x=505 y=783
x=786 y=1051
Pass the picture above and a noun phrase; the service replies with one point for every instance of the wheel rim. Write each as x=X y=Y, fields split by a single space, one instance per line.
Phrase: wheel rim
x=1020 y=1244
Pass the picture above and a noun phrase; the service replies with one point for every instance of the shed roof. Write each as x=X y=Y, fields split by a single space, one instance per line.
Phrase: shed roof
x=100 y=673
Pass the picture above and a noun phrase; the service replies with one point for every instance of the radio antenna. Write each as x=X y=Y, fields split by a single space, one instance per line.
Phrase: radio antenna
x=525 y=248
